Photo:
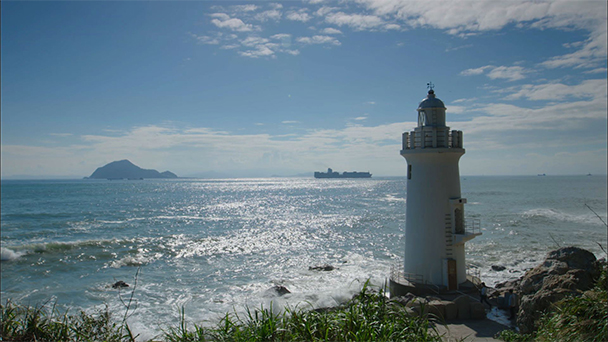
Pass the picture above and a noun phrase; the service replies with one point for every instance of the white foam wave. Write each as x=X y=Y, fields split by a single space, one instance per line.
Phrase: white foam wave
x=556 y=215
x=8 y=254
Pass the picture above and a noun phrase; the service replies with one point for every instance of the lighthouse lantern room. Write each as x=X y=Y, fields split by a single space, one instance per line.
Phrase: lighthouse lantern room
x=435 y=228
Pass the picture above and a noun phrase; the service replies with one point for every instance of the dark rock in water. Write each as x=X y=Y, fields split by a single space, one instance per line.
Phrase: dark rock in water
x=280 y=290
x=566 y=271
x=325 y=267
x=498 y=268
x=120 y=284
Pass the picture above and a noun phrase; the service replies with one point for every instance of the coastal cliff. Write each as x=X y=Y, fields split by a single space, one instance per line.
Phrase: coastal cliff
x=125 y=169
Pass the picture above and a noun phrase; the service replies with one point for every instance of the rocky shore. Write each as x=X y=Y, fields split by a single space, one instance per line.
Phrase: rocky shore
x=568 y=271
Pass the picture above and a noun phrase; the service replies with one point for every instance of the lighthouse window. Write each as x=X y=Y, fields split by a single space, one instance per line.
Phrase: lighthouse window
x=409 y=172
x=421 y=118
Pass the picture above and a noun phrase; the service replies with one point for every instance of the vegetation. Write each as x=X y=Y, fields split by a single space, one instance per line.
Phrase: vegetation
x=42 y=324
x=583 y=318
x=369 y=316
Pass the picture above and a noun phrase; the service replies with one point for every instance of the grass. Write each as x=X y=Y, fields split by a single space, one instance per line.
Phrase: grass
x=44 y=323
x=368 y=316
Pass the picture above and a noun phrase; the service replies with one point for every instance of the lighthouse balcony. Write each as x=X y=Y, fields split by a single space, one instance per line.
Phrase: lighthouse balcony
x=432 y=137
x=472 y=229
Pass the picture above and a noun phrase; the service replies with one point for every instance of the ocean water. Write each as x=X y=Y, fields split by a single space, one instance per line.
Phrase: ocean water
x=218 y=246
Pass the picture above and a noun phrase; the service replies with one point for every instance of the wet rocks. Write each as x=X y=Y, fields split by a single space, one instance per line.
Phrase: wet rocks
x=324 y=267
x=119 y=285
x=280 y=290
x=498 y=268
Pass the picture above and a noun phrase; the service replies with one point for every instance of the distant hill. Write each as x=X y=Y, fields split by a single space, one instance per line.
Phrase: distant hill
x=125 y=169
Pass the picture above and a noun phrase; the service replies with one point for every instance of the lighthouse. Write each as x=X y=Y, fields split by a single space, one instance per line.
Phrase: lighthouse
x=435 y=228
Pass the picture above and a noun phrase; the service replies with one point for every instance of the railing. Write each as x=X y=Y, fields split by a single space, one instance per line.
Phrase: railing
x=432 y=139
x=472 y=226
x=398 y=275
x=474 y=273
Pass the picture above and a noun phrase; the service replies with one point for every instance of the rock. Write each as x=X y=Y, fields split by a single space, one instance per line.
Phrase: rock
x=119 y=285
x=403 y=300
x=498 y=268
x=566 y=271
x=324 y=267
x=477 y=310
x=575 y=257
x=419 y=305
x=280 y=290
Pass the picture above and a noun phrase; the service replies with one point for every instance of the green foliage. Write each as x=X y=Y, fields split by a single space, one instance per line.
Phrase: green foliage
x=369 y=316
x=20 y=323
x=582 y=318
x=513 y=336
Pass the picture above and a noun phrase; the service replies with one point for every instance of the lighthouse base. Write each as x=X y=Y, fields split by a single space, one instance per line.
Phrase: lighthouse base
x=399 y=286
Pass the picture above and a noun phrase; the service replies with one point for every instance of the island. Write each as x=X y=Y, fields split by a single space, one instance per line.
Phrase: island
x=124 y=169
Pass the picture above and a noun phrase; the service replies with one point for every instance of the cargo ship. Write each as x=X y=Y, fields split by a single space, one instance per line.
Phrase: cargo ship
x=332 y=174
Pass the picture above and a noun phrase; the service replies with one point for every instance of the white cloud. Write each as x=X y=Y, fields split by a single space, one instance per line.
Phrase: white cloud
x=205 y=39
x=300 y=15
x=244 y=8
x=596 y=71
x=259 y=51
x=318 y=40
x=512 y=73
x=281 y=36
x=222 y=20
x=331 y=30
x=321 y=12
x=360 y=118
x=288 y=122
x=269 y=15
x=464 y=17
x=475 y=71
x=62 y=135
x=558 y=91
x=355 y=21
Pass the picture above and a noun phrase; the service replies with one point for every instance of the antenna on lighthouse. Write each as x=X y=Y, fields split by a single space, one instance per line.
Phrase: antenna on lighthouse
x=430 y=86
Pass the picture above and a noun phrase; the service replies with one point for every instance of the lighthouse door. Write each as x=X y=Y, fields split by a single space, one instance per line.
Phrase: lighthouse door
x=452 y=276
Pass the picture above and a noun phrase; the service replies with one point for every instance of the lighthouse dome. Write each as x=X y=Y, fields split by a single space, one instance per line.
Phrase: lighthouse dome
x=431 y=101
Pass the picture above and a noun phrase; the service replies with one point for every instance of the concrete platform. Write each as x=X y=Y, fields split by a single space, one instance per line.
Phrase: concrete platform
x=470 y=330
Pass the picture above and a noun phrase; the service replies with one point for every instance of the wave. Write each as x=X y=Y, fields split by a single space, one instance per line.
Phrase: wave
x=556 y=215
x=7 y=254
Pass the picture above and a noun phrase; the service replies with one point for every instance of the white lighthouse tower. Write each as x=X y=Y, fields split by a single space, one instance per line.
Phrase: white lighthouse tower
x=435 y=231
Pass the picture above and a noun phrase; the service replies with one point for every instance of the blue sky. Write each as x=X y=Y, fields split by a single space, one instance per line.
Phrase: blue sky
x=261 y=88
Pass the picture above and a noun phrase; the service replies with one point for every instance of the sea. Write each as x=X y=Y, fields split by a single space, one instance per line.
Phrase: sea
x=215 y=246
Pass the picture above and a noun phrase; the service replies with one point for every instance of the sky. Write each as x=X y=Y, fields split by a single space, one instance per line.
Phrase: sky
x=261 y=88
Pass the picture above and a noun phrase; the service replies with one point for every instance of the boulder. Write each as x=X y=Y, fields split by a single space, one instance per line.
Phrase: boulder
x=566 y=271
x=280 y=290
x=120 y=285
x=498 y=268
x=403 y=300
